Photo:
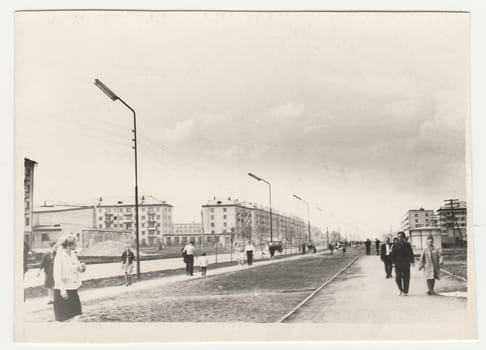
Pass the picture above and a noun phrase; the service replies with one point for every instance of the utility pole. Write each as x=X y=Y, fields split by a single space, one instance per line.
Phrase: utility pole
x=453 y=204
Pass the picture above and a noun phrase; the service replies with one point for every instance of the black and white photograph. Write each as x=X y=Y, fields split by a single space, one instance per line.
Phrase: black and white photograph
x=242 y=176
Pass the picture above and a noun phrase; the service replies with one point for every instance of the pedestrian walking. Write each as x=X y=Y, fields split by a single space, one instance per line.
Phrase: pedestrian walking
x=430 y=262
x=26 y=257
x=331 y=248
x=368 y=246
x=47 y=265
x=249 y=249
x=344 y=249
x=377 y=246
x=127 y=259
x=385 y=254
x=402 y=257
x=189 y=253
x=66 y=280
x=203 y=263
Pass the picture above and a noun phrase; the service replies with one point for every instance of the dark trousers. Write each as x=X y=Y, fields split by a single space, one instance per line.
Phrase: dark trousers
x=368 y=250
x=388 y=265
x=249 y=257
x=189 y=264
x=402 y=277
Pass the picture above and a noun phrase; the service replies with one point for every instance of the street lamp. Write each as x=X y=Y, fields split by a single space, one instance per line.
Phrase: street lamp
x=308 y=215
x=270 y=195
x=115 y=97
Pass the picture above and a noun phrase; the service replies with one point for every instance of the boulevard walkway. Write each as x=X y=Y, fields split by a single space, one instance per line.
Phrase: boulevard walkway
x=362 y=295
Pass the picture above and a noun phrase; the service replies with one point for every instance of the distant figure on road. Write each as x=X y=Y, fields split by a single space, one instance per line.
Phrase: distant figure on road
x=203 y=263
x=344 y=248
x=331 y=248
x=430 y=262
x=303 y=248
x=249 y=249
x=47 y=264
x=189 y=252
x=66 y=280
x=386 y=249
x=368 y=246
x=377 y=246
x=402 y=256
x=127 y=259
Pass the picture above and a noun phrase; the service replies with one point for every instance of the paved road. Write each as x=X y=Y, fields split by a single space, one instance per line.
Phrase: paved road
x=95 y=271
x=363 y=295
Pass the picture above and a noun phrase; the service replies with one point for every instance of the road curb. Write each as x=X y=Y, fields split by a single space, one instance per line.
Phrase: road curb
x=453 y=275
x=310 y=296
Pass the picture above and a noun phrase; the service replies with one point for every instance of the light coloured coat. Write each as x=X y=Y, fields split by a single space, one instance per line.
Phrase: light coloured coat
x=430 y=261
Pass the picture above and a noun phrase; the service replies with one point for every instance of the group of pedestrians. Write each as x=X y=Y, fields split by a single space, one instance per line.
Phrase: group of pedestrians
x=400 y=255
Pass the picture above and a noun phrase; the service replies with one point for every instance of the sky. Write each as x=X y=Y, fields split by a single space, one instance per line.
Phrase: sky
x=361 y=114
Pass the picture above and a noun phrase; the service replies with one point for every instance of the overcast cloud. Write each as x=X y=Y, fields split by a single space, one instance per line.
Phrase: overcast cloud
x=361 y=114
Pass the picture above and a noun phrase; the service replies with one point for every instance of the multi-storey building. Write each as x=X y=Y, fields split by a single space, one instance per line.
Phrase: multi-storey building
x=184 y=233
x=242 y=221
x=415 y=218
x=29 y=166
x=155 y=218
x=453 y=222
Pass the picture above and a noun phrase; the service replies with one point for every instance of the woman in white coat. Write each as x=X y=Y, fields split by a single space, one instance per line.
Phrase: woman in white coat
x=66 y=280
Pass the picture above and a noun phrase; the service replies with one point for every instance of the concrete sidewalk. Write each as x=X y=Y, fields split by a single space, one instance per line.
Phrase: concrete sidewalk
x=39 y=304
x=362 y=294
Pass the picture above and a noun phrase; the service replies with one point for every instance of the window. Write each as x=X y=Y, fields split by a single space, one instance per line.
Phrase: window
x=212 y=231
x=143 y=209
x=101 y=226
x=212 y=224
x=143 y=233
x=108 y=210
x=224 y=224
x=143 y=217
x=212 y=217
x=224 y=209
x=128 y=210
x=27 y=221
x=45 y=237
x=212 y=210
x=115 y=225
x=158 y=217
x=224 y=217
x=143 y=225
x=158 y=208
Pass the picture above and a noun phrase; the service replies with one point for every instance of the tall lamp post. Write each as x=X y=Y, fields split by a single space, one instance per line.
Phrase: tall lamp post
x=270 y=195
x=114 y=97
x=308 y=215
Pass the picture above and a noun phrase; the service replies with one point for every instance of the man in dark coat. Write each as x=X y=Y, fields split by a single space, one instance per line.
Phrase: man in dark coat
x=377 y=246
x=386 y=249
x=402 y=256
x=47 y=264
x=368 y=246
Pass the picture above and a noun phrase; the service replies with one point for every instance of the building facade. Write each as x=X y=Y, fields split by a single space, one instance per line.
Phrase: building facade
x=416 y=218
x=184 y=233
x=239 y=222
x=453 y=223
x=154 y=218
x=29 y=166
